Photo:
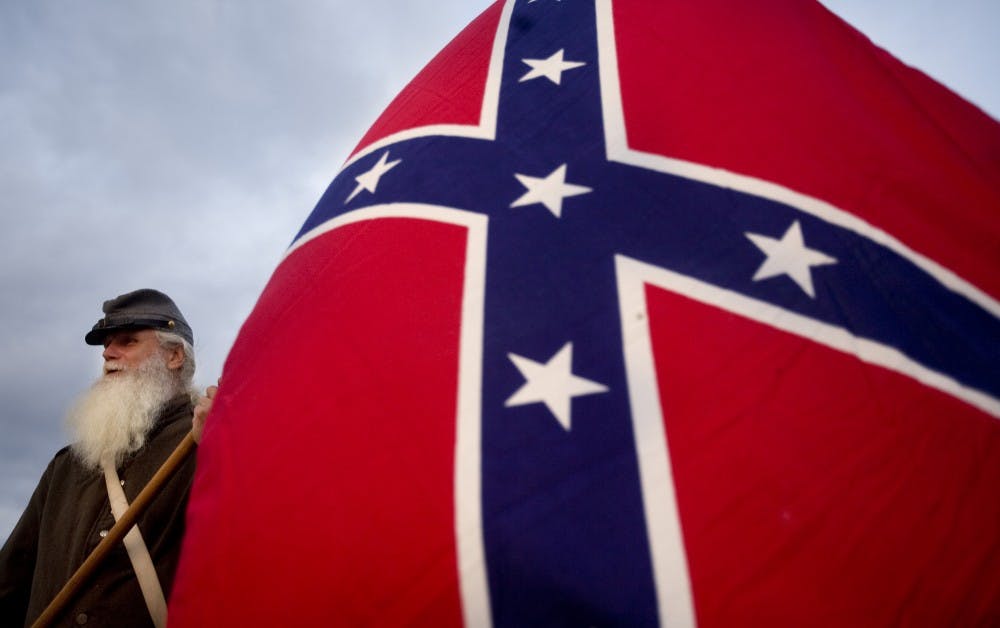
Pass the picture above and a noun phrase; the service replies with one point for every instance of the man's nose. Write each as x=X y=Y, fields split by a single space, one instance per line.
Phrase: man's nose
x=110 y=353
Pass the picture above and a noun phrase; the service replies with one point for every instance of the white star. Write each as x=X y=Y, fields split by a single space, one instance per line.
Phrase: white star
x=549 y=191
x=789 y=256
x=369 y=180
x=551 y=68
x=552 y=383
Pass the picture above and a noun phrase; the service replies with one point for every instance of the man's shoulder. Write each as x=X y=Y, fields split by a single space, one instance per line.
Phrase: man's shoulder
x=179 y=407
x=64 y=466
x=63 y=457
x=172 y=426
x=171 y=419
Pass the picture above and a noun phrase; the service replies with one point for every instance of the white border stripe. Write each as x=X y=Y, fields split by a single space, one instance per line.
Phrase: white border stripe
x=468 y=434
x=468 y=446
x=832 y=336
x=487 y=127
x=618 y=150
x=663 y=527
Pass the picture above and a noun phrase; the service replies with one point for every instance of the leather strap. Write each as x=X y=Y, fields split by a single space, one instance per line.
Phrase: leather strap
x=138 y=554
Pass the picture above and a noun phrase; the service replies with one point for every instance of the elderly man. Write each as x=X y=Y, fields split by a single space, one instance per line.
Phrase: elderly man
x=124 y=427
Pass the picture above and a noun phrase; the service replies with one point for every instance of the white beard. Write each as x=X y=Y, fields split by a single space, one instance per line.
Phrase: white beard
x=116 y=414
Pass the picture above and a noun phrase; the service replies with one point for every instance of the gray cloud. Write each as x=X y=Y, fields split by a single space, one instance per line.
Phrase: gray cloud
x=175 y=145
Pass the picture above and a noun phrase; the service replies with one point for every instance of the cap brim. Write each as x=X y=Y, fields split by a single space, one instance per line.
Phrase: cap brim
x=96 y=336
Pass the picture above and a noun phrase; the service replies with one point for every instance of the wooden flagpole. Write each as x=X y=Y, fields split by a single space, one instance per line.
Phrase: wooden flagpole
x=117 y=532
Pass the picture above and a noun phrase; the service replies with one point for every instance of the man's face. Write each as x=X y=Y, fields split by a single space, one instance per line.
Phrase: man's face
x=127 y=350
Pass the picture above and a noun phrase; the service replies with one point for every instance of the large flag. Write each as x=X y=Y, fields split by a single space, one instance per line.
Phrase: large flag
x=625 y=313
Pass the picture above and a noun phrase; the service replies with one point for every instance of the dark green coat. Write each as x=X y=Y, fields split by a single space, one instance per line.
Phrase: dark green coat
x=63 y=523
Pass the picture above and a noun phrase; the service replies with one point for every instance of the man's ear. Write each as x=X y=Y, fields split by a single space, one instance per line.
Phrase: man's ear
x=175 y=358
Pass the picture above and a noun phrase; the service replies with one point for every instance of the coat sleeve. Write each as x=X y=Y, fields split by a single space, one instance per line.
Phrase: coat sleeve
x=18 y=557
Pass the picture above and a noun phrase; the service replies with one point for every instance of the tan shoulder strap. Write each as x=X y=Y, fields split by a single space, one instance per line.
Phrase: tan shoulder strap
x=138 y=554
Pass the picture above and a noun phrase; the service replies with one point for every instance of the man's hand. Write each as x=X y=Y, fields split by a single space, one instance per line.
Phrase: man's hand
x=201 y=410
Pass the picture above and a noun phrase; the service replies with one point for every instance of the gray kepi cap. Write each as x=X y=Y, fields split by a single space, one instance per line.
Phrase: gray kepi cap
x=141 y=309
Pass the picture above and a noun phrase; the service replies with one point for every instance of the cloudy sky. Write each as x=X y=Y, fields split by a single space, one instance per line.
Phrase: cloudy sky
x=181 y=144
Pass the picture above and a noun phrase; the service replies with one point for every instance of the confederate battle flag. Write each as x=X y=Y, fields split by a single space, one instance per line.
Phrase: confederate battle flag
x=625 y=313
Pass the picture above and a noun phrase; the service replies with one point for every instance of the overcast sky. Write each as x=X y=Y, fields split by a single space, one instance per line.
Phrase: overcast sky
x=180 y=145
